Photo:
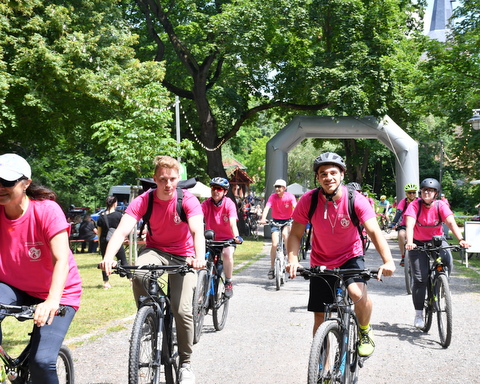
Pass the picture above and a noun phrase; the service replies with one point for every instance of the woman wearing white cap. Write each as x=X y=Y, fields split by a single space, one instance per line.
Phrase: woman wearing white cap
x=282 y=204
x=36 y=263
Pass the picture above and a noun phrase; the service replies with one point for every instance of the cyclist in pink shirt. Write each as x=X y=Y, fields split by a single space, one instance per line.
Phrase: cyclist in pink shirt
x=36 y=264
x=221 y=216
x=399 y=219
x=282 y=204
x=337 y=243
x=424 y=219
x=169 y=241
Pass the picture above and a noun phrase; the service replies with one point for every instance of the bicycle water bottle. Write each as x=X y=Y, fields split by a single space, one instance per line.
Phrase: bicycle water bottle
x=340 y=295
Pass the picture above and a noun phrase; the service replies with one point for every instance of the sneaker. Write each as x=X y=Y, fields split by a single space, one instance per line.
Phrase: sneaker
x=228 y=289
x=366 y=346
x=271 y=274
x=419 y=322
x=402 y=262
x=185 y=375
x=106 y=285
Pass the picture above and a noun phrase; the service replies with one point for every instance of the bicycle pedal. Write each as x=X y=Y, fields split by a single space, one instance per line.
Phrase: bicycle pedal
x=361 y=360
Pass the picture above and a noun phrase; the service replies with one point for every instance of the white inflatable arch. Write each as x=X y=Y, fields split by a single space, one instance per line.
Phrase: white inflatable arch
x=328 y=127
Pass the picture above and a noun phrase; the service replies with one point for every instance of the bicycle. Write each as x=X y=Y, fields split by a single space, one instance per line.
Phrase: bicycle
x=304 y=247
x=210 y=291
x=251 y=225
x=439 y=298
x=333 y=354
x=153 y=341
x=17 y=369
x=384 y=222
x=280 y=257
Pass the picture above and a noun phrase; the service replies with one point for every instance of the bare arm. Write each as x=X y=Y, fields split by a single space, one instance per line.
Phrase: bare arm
x=195 y=224
x=116 y=241
x=263 y=220
x=452 y=225
x=60 y=253
x=293 y=246
x=410 y=224
x=233 y=226
x=381 y=245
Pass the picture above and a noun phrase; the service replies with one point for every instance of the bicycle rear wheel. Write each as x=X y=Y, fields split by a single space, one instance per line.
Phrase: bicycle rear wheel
x=408 y=273
x=199 y=304
x=444 y=310
x=220 y=308
x=143 y=347
x=65 y=369
x=325 y=361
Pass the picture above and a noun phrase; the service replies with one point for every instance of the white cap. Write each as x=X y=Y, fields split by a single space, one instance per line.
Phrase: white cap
x=281 y=182
x=13 y=167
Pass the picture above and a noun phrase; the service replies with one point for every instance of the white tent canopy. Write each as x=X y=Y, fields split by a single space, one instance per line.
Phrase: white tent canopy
x=296 y=189
x=200 y=190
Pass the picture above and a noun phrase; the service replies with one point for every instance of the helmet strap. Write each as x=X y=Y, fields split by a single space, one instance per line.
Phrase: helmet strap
x=219 y=202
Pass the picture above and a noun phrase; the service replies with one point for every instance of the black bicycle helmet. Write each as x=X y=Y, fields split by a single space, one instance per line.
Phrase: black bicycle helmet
x=221 y=182
x=329 y=158
x=430 y=183
x=356 y=186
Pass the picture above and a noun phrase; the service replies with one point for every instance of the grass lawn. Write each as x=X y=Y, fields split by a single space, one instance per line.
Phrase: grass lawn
x=100 y=307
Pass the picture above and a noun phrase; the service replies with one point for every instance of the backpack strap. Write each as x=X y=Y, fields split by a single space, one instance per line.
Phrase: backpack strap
x=420 y=203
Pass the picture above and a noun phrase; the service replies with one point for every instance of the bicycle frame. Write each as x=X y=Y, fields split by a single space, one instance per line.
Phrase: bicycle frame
x=345 y=321
x=17 y=368
x=280 y=256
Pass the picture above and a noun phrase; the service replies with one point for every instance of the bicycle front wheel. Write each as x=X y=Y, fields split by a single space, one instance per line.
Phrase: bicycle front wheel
x=65 y=370
x=143 y=348
x=199 y=304
x=325 y=362
x=220 y=309
x=278 y=272
x=408 y=273
x=444 y=310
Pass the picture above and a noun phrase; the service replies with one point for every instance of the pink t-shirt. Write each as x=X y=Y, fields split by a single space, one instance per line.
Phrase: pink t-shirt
x=282 y=207
x=218 y=218
x=25 y=254
x=402 y=206
x=335 y=239
x=430 y=218
x=169 y=233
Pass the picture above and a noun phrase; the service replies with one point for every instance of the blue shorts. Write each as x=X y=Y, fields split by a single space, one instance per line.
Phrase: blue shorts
x=275 y=228
x=322 y=289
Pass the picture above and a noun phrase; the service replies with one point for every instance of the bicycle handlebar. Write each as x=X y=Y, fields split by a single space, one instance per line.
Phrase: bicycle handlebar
x=26 y=312
x=341 y=273
x=181 y=269
x=220 y=243
x=277 y=224
x=428 y=247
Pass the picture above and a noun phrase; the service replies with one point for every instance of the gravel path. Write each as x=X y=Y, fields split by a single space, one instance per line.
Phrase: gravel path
x=268 y=333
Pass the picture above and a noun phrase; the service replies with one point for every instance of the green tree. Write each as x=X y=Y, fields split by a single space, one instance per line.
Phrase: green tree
x=229 y=61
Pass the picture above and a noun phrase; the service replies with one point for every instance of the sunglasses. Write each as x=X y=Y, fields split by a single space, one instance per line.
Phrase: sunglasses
x=10 y=183
x=217 y=189
x=278 y=186
x=409 y=193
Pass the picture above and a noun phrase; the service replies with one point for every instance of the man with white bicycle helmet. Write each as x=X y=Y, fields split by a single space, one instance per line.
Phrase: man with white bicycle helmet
x=336 y=243
x=399 y=219
x=219 y=210
x=423 y=219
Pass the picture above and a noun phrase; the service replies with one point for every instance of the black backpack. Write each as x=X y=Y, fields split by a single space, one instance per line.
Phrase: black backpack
x=351 y=213
x=148 y=183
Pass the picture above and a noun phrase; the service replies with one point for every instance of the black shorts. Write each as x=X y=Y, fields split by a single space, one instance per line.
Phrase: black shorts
x=322 y=289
